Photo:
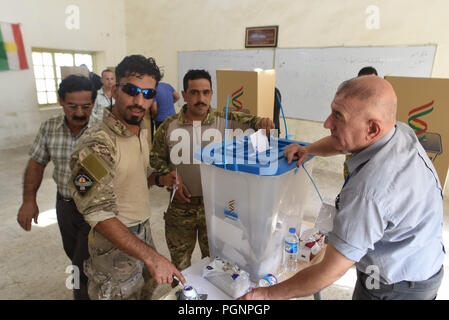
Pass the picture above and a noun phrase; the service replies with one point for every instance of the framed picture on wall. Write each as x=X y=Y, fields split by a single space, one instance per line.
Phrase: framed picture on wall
x=257 y=37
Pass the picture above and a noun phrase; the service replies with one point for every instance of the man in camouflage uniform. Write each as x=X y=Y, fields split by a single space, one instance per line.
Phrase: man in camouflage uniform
x=110 y=177
x=185 y=217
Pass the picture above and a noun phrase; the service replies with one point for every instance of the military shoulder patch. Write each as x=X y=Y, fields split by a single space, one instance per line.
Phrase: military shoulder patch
x=95 y=166
x=83 y=182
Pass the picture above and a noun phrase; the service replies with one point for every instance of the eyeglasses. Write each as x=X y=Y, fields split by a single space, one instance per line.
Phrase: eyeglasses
x=133 y=90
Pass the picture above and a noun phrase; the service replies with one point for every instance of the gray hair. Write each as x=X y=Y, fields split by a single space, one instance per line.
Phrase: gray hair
x=375 y=96
x=354 y=89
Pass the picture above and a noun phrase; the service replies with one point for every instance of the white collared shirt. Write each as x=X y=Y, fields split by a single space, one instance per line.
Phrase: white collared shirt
x=102 y=101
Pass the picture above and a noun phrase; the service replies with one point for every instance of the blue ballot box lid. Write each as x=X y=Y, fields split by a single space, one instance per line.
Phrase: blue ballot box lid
x=239 y=155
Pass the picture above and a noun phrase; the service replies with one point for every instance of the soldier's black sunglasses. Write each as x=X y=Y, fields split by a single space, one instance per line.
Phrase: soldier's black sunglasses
x=133 y=90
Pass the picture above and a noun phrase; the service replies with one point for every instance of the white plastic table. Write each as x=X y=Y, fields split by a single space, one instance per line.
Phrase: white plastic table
x=193 y=276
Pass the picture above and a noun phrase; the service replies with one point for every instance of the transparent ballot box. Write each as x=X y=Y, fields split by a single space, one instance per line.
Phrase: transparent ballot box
x=251 y=200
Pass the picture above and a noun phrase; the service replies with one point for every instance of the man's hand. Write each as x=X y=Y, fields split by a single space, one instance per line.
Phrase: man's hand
x=267 y=124
x=182 y=193
x=27 y=212
x=160 y=268
x=169 y=179
x=163 y=270
x=296 y=152
x=29 y=209
x=256 y=294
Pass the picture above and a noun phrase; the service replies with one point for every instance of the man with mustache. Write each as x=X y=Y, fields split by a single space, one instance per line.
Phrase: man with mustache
x=55 y=142
x=185 y=217
x=111 y=175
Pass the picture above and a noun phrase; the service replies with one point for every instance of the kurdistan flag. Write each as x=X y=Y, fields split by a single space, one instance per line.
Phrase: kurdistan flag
x=12 y=51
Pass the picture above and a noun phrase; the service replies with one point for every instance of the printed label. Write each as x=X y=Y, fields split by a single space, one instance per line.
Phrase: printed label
x=291 y=247
x=271 y=279
x=230 y=211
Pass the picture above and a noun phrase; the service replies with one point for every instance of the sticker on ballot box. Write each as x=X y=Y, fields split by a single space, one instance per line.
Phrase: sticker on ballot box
x=230 y=211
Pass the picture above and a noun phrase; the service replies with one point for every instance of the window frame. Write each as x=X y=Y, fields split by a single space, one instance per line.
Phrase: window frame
x=54 y=66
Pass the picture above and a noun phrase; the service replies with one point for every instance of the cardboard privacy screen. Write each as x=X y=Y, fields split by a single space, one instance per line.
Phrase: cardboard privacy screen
x=423 y=104
x=249 y=91
x=66 y=71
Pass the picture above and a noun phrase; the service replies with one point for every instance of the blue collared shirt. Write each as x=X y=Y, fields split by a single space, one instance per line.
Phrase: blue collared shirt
x=390 y=212
x=164 y=100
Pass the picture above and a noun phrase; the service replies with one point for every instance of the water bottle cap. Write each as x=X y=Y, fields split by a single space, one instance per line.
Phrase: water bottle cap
x=190 y=292
x=292 y=230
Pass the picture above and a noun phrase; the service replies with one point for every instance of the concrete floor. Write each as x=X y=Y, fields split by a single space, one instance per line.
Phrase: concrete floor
x=33 y=264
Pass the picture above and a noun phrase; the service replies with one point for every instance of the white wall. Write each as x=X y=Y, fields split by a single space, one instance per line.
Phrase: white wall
x=43 y=24
x=161 y=29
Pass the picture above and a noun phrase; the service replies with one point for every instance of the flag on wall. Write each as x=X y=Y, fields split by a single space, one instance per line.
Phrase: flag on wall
x=12 y=51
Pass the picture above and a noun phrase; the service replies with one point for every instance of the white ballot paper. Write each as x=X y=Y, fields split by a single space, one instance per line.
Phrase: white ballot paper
x=259 y=141
x=175 y=186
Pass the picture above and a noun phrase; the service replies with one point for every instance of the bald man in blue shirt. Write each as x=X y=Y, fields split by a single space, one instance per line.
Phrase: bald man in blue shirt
x=389 y=213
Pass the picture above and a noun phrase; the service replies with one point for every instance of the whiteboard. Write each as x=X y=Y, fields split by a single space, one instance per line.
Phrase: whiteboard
x=308 y=77
x=244 y=60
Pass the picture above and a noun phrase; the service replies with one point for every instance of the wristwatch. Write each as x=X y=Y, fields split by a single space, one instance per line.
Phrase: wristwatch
x=157 y=179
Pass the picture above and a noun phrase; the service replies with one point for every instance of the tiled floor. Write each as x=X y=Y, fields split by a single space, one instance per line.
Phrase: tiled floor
x=33 y=264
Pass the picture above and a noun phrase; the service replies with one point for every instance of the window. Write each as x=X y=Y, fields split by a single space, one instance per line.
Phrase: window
x=47 y=65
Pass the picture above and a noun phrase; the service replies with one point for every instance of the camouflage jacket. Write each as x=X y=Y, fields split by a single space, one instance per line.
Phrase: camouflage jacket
x=175 y=140
x=110 y=166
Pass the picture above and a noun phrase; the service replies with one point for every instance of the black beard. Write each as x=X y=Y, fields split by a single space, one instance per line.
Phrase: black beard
x=134 y=120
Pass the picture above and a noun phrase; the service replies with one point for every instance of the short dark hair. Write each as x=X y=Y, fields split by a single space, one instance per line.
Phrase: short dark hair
x=138 y=65
x=196 y=74
x=75 y=83
x=367 y=71
x=105 y=70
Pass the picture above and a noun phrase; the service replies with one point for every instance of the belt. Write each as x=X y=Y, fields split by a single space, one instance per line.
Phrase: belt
x=401 y=284
x=196 y=200
x=137 y=228
x=193 y=200
x=363 y=277
x=60 y=197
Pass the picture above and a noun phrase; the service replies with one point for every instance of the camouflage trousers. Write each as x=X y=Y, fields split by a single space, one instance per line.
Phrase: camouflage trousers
x=115 y=275
x=184 y=223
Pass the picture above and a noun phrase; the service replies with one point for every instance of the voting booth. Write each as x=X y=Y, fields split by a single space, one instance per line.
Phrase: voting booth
x=249 y=91
x=67 y=71
x=251 y=200
x=423 y=104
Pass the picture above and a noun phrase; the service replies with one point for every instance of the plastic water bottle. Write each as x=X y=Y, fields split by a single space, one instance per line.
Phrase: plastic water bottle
x=291 y=251
x=189 y=293
x=267 y=281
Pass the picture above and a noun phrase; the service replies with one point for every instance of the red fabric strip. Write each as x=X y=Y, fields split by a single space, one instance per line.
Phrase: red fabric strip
x=20 y=48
